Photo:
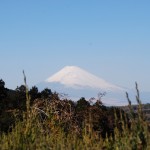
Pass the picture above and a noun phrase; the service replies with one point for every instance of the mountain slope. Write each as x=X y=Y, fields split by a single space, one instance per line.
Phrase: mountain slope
x=77 y=83
x=75 y=77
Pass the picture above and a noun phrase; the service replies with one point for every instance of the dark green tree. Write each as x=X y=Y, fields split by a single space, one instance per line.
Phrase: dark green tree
x=34 y=94
x=82 y=104
x=3 y=95
x=46 y=93
x=21 y=97
x=3 y=91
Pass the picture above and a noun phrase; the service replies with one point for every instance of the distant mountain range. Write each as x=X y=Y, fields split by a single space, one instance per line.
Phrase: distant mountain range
x=76 y=83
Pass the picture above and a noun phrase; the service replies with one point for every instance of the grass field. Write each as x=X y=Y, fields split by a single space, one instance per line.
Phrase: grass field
x=43 y=129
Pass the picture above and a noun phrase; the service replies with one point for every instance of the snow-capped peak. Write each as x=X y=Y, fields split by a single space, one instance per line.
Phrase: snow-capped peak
x=75 y=77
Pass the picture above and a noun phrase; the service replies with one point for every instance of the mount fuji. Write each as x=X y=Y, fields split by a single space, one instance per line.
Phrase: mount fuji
x=77 y=83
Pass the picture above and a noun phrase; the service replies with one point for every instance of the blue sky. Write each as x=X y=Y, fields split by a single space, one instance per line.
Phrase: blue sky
x=110 y=39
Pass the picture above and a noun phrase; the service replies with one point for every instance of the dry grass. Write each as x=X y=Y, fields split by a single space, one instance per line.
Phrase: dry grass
x=42 y=128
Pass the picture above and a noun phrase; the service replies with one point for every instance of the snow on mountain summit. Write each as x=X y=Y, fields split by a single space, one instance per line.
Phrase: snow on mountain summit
x=75 y=77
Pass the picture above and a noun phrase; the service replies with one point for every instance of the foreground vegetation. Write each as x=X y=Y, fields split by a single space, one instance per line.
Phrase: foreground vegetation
x=48 y=122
